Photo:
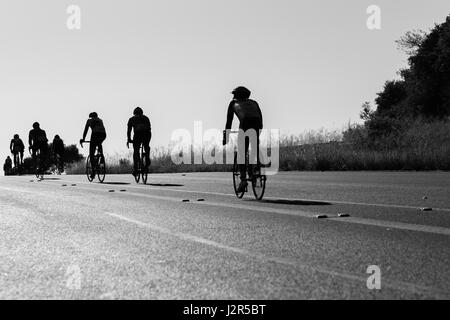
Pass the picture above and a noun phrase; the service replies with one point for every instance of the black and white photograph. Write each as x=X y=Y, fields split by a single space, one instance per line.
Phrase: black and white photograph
x=224 y=155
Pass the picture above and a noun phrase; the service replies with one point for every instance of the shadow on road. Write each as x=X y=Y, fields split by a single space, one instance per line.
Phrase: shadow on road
x=297 y=202
x=117 y=183
x=165 y=185
x=51 y=179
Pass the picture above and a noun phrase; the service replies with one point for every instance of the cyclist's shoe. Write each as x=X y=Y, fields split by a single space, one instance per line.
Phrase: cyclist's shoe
x=242 y=186
x=92 y=175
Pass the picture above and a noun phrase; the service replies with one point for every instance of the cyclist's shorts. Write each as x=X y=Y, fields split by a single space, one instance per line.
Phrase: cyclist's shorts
x=142 y=138
x=98 y=138
x=251 y=123
x=40 y=146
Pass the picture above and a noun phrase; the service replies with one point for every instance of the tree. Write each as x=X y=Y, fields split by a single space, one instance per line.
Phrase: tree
x=411 y=41
x=366 y=112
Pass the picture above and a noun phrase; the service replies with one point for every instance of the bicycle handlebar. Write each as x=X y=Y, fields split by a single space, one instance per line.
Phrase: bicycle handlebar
x=81 y=142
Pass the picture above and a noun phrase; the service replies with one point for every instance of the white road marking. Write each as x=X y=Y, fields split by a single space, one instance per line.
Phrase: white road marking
x=396 y=285
x=305 y=214
x=149 y=187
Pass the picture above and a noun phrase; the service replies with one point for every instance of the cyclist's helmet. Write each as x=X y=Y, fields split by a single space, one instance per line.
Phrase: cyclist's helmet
x=16 y=136
x=57 y=137
x=36 y=125
x=138 y=112
x=241 y=93
x=93 y=115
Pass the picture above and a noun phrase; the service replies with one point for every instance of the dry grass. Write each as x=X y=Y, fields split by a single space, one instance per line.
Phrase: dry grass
x=423 y=146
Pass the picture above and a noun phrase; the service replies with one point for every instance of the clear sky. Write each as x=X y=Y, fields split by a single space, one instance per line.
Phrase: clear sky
x=310 y=64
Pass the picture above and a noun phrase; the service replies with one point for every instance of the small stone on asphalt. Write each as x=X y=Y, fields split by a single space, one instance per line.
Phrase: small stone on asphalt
x=343 y=215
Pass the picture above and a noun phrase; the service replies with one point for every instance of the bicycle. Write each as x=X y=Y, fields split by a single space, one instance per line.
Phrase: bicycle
x=99 y=168
x=143 y=166
x=257 y=179
x=38 y=167
x=58 y=167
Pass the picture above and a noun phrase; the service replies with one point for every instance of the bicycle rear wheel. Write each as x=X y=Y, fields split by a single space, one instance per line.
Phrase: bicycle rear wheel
x=101 y=165
x=38 y=168
x=89 y=169
x=144 y=169
x=137 y=173
x=259 y=186
x=237 y=178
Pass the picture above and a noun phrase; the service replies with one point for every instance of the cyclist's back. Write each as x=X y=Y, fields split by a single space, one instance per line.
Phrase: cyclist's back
x=37 y=139
x=140 y=124
x=17 y=145
x=246 y=110
x=58 y=145
x=96 y=125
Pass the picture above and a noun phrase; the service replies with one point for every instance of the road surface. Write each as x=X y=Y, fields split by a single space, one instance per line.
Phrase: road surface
x=65 y=238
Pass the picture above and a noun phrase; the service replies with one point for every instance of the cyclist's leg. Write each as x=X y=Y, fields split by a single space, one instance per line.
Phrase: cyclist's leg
x=92 y=148
x=15 y=155
x=146 y=142
x=44 y=154
x=61 y=161
x=21 y=157
x=137 y=141
x=99 y=142
x=243 y=166
x=101 y=139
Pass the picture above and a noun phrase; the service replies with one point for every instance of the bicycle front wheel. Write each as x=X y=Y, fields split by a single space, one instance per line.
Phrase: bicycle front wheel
x=101 y=169
x=89 y=169
x=237 y=178
x=38 y=167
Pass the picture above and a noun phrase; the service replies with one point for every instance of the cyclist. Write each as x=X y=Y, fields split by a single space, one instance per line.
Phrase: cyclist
x=141 y=126
x=98 y=136
x=37 y=141
x=7 y=166
x=58 y=152
x=17 y=147
x=250 y=117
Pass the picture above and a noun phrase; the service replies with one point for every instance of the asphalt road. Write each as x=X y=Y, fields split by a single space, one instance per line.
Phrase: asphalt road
x=66 y=238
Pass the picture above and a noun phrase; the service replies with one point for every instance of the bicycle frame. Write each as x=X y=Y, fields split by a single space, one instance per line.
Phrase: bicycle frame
x=257 y=179
x=91 y=171
x=141 y=170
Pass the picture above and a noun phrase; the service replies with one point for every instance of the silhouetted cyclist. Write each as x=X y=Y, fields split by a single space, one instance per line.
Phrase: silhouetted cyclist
x=17 y=148
x=98 y=136
x=141 y=126
x=37 y=141
x=58 y=152
x=250 y=117
x=7 y=166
